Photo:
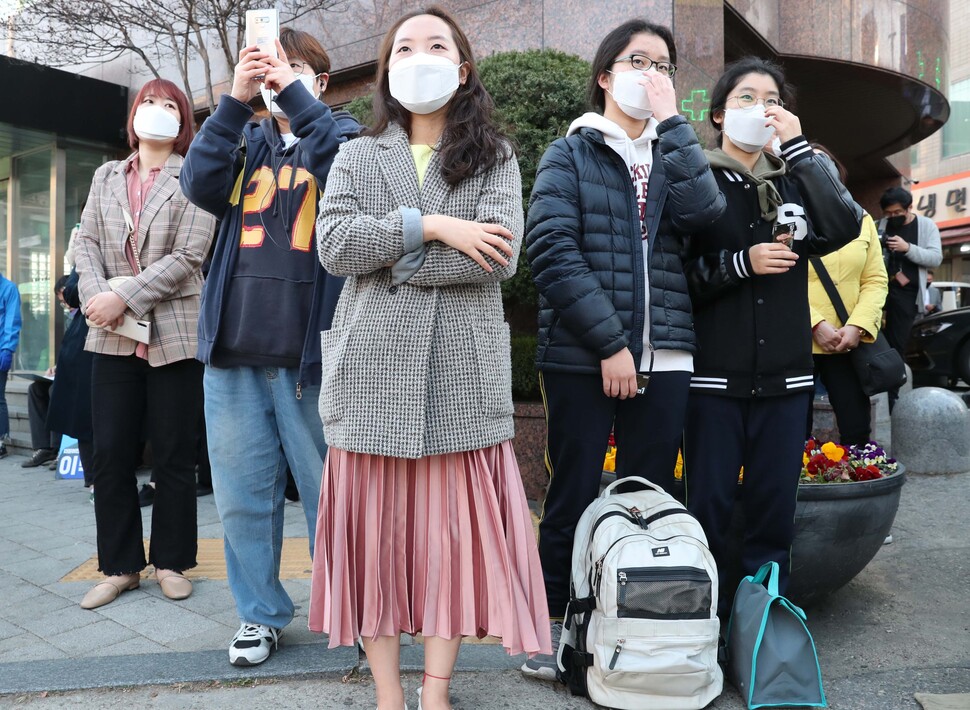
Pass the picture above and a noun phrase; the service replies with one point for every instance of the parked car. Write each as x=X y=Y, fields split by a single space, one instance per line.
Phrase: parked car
x=939 y=348
x=956 y=294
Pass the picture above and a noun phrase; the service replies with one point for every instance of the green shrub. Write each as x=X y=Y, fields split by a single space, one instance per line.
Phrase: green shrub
x=362 y=108
x=525 y=381
x=537 y=95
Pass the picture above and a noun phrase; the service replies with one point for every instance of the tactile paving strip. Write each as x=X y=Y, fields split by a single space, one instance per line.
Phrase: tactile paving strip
x=295 y=563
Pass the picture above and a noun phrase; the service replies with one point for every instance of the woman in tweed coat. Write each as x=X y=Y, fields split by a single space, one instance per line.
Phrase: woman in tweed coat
x=137 y=224
x=423 y=524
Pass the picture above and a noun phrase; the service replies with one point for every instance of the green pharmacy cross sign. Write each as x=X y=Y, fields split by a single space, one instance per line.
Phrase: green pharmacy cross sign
x=937 y=69
x=696 y=106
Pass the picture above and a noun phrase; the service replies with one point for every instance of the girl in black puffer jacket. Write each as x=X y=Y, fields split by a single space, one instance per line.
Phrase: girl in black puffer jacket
x=612 y=205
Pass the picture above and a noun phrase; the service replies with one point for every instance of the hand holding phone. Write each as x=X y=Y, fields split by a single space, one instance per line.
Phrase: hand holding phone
x=248 y=73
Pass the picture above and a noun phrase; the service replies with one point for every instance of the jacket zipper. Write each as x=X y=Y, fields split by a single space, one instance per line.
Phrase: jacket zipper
x=637 y=254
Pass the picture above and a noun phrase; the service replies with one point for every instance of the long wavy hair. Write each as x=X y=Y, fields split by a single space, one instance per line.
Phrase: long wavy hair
x=471 y=142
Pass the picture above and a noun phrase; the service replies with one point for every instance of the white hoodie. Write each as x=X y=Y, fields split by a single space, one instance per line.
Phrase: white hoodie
x=638 y=156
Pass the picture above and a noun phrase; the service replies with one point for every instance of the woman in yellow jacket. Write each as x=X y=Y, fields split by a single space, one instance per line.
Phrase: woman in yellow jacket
x=859 y=274
x=858 y=271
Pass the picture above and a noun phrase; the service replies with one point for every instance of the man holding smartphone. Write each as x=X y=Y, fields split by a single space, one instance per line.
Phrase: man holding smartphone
x=265 y=302
x=911 y=244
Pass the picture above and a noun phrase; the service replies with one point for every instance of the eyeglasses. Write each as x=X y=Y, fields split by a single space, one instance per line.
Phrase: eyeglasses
x=641 y=62
x=297 y=66
x=746 y=101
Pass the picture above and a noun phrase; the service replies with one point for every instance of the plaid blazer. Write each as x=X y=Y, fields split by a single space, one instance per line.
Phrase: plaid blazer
x=173 y=240
x=420 y=367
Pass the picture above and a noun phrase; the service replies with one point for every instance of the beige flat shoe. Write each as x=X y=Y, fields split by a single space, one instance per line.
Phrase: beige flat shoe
x=107 y=591
x=174 y=586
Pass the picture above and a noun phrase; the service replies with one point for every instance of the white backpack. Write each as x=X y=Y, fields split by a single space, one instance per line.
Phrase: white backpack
x=641 y=628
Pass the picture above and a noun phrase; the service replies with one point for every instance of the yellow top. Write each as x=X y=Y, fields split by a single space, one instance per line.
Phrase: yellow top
x=422 y=156
x=859 y=274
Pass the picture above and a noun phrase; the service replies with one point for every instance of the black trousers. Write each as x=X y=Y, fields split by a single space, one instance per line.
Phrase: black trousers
x=853 y=411
x=129 y=396
x=648 y=430
x=900 y=313
x=766 y=436
x=85 y=450
x=38 y=404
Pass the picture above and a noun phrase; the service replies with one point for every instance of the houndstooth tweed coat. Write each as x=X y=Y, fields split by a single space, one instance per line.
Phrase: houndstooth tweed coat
x=173 y=239
x=415 y=364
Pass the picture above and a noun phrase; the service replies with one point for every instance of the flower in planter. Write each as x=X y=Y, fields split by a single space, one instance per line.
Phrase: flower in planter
x=609 y=464
x=834 y=463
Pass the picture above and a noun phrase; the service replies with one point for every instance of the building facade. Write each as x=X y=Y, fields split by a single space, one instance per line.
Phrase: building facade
x=871 y=76
x=940 y=165
x=56 y=128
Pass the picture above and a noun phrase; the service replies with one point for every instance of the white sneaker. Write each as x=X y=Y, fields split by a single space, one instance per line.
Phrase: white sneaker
x=253 y=643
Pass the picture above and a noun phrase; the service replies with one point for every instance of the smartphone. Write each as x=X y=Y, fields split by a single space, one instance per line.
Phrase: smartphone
x=262 y=29
x=643 y=379
x=784 y=233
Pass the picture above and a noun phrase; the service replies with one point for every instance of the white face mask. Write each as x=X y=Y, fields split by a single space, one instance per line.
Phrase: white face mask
x=269 y=97
x=630 y=96
x=746 y=128
x=423 y=83
x=153 y=123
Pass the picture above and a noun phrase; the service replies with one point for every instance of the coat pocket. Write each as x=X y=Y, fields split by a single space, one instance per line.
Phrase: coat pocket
x=494 y=354
x=333 y=381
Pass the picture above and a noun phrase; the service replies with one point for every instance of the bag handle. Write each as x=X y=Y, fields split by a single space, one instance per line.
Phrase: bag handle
x=769 y=571
x=830 y=289
x=608 y=491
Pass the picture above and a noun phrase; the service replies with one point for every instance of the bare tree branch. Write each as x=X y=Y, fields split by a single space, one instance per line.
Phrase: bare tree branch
x=166 y=36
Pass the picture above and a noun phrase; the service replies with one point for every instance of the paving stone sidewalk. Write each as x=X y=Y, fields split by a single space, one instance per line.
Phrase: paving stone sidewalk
x=903 y=626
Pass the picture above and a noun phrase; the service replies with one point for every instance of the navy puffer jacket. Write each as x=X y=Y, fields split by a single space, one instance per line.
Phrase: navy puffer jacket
x=583 y=242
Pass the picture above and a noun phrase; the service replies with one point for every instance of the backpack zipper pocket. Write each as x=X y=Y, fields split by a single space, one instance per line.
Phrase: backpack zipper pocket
x=663 y=593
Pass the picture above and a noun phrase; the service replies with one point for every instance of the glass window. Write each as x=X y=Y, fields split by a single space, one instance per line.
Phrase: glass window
x=956 y=131
x=32 y=260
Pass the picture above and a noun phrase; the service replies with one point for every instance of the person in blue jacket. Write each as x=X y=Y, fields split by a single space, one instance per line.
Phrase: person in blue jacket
x=10 y=322
x=265 y=302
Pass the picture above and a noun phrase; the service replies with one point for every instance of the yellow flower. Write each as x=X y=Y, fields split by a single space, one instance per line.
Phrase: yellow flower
x=804 y=459
x=679 y=467
x=833 y=452
x=610 y=463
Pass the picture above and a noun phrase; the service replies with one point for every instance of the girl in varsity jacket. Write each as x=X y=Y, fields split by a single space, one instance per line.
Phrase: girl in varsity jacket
x=747 y=275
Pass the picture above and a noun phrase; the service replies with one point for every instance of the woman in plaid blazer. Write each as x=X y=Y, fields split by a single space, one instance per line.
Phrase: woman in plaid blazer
x=139 y=248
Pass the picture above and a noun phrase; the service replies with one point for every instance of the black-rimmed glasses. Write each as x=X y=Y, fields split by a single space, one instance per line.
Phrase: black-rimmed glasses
x=641 y=62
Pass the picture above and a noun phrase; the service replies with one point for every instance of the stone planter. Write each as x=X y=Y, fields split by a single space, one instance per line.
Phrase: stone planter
x=839 y=528
x=530 y=448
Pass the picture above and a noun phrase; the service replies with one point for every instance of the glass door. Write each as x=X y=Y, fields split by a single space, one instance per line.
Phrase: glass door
x=31 y=255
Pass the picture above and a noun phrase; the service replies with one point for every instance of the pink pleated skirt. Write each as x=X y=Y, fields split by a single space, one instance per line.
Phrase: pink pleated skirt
x=443 y=546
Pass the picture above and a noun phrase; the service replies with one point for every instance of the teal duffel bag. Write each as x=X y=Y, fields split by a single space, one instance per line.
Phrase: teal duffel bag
x=771 y=654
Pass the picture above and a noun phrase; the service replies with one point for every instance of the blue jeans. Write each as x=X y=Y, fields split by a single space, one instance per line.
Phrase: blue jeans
x=256 y=426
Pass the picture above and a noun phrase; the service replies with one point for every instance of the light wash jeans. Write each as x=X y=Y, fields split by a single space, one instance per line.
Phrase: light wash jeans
x=256 y=425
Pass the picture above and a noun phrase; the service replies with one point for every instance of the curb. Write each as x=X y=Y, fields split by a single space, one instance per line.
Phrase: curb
x=297 y=661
